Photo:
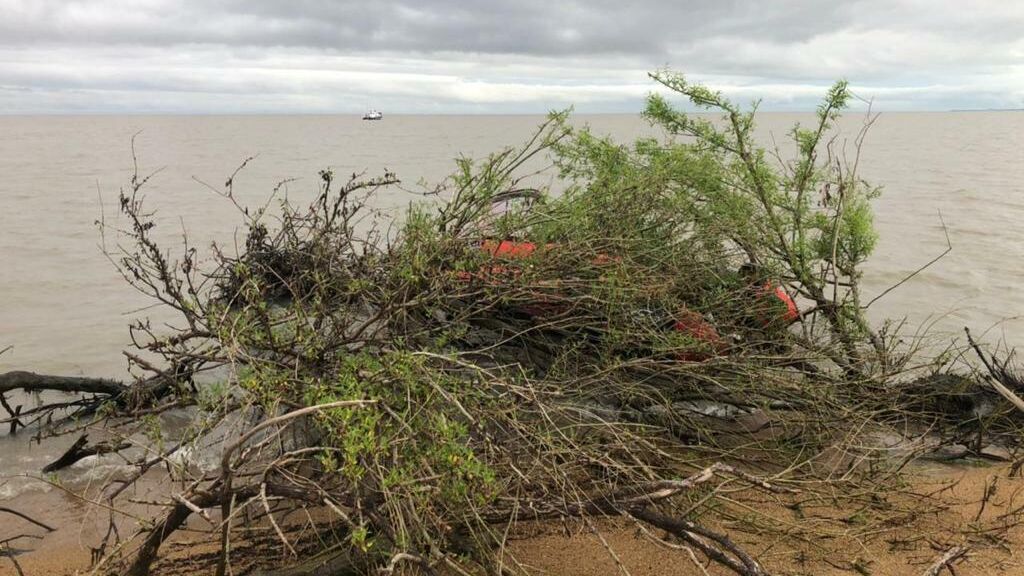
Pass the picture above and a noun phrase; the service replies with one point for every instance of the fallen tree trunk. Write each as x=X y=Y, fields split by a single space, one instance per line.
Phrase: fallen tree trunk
x=216 y=495
x=139 y=394
x=717 y=547
x=80 y=450
x=174 y=519
x=32 y=382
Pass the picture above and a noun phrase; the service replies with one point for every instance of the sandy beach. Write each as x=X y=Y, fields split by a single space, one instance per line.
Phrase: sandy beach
x=992 y=536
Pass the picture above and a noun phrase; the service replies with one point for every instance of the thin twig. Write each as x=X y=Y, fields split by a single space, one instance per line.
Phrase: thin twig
x=946 y=561
x=42 y=525
x=949 y=248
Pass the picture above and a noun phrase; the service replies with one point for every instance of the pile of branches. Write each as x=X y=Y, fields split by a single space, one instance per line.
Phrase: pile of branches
x=384 y=394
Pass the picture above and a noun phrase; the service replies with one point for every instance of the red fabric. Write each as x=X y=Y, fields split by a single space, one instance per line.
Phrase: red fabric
x=504 y=250
x=686 y=321
x=602 y=259
x=770 y=312
x=513 y=250
x=693 y=324
x=791 y=312
x=508 y=248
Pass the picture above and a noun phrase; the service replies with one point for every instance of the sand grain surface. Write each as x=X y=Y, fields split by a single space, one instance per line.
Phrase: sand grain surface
x=552 y=548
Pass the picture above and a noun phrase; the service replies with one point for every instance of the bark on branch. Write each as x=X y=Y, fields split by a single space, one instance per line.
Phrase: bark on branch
x=32 y=382
x=946 y=561
x=80 y=450
x=132 y=396
x=718 y=547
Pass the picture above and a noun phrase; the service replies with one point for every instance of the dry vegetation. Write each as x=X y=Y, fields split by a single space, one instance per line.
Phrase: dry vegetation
x=402 y=398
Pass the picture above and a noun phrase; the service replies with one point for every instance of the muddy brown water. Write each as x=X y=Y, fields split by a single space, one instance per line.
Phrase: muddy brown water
x=64 y=308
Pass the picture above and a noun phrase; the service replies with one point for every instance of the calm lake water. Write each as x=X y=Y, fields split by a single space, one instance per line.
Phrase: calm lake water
x=64 y=308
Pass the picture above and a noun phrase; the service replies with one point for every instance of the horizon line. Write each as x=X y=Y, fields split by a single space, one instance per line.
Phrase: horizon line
x=10 y=114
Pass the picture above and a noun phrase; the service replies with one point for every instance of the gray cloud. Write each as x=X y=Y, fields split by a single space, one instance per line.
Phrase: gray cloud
x=536 y=27
x=527 y=55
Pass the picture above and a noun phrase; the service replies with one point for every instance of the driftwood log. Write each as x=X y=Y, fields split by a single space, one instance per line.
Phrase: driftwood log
x=81 y=449
x=32 y=382
x=128 y=397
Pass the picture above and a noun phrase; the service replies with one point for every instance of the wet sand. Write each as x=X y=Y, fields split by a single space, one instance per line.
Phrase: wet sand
x=901 y=550
x=554 y=548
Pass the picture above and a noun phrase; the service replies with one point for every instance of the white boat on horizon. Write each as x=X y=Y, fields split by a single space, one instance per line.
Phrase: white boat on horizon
x=373 y=115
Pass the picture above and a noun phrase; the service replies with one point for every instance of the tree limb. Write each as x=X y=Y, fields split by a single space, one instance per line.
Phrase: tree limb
x=32 y=382
x=81 y=450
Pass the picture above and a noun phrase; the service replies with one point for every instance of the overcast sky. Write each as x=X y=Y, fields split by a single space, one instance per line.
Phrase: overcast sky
x=470 y=56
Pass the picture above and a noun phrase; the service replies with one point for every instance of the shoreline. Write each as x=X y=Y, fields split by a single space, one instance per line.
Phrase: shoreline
x=574 y=549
